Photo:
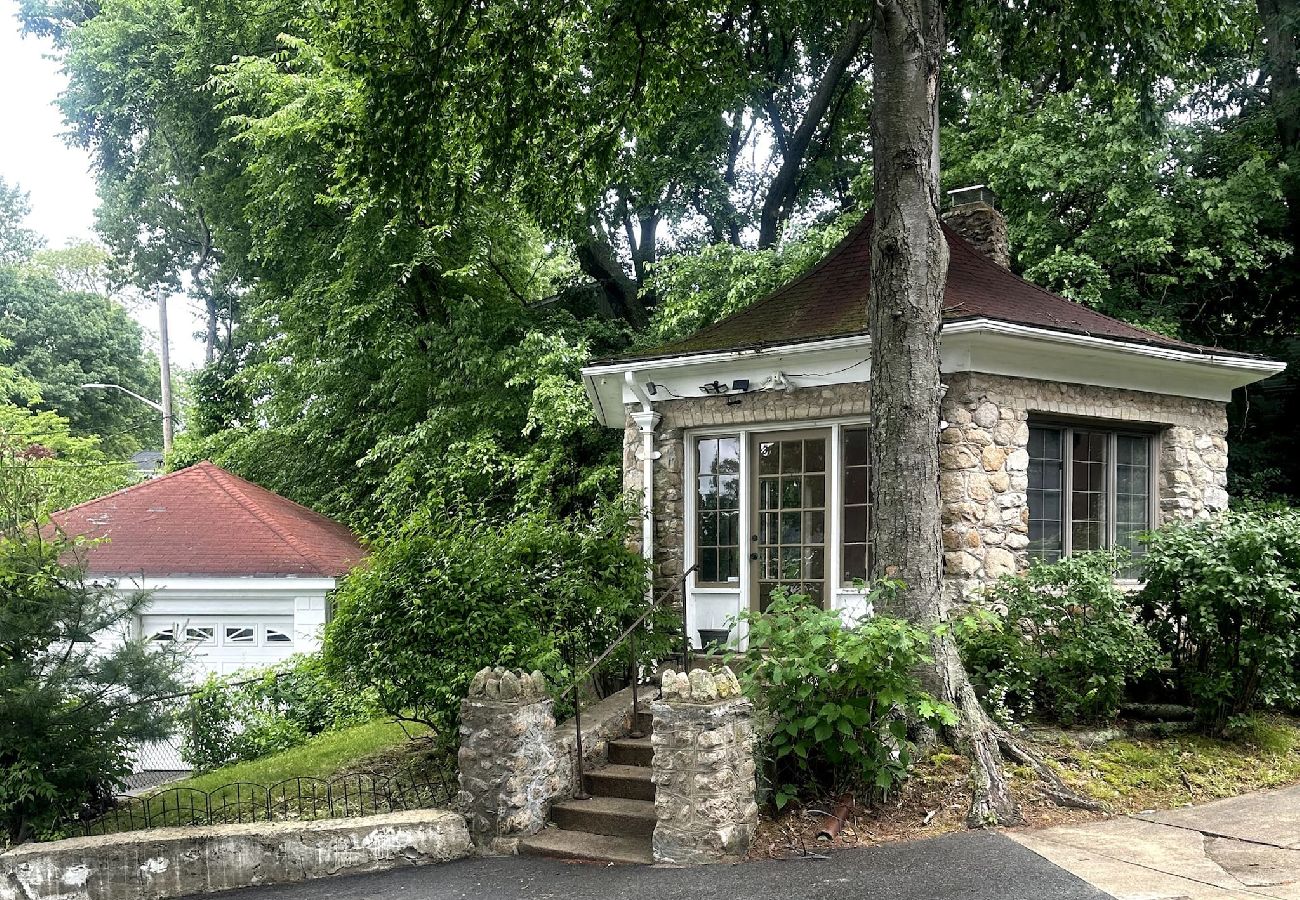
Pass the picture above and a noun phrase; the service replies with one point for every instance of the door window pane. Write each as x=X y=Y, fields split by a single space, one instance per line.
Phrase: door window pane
x=717 y=504
x=791 y=516
x=857 y=472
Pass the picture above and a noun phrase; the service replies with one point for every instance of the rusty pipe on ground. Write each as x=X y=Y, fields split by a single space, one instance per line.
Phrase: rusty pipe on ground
x=836 y=819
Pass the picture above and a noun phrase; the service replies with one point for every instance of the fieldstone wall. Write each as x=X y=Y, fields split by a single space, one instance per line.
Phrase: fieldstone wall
x=508 y=763
x=703 y=769
x=983 y=458
x=984 y=462
x=160 y=863
x=984 y=228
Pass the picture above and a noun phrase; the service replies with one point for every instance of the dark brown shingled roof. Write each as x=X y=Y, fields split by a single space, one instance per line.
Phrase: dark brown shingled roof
x=830 y=300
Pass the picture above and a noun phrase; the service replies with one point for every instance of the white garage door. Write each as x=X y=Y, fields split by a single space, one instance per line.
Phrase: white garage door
x=224 y=644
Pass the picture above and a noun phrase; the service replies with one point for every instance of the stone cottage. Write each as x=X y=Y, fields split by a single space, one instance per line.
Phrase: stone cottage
x=1063 y=430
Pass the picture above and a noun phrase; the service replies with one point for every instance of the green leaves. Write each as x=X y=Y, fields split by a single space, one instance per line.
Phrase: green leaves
x=1063 y=643
x=1223 y=596
x=839 y=696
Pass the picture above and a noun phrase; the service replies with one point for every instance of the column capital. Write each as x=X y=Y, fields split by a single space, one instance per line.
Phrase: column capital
x=647 y=420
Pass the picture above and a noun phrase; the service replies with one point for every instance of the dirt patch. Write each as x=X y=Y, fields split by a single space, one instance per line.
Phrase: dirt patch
x=1126 y=774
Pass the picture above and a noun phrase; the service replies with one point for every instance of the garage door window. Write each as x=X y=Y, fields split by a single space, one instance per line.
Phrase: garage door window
x=277 y=636
x=240 y=634
x=200 y=634
x=163 y=635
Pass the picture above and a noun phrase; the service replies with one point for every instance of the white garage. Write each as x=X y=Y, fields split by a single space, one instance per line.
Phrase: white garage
x=238 y=575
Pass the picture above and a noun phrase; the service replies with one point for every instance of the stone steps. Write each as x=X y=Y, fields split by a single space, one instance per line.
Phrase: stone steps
x=630 y=782
x=606 y=815
x=616 y=824
x=631 y=752
x=560 y=844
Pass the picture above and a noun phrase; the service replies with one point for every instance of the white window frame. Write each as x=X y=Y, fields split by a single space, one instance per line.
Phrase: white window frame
x=226 y=628
x=1112 y=431
x=842 y=597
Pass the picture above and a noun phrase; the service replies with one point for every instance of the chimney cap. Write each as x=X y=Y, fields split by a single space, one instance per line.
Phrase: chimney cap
x=975 y=193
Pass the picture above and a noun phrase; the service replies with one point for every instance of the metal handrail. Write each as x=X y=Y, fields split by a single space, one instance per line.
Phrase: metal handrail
x=579 y=791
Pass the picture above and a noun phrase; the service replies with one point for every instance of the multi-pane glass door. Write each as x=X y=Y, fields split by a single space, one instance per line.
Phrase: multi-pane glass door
x=790 y=548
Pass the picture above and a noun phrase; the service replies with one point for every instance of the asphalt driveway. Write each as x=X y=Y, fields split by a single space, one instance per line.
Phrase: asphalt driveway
x=1242 y=848
x=967 y=866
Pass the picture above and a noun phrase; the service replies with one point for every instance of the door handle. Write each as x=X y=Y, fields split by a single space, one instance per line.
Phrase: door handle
x=753 y=556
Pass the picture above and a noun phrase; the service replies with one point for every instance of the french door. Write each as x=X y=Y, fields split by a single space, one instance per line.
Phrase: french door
x=789 y=537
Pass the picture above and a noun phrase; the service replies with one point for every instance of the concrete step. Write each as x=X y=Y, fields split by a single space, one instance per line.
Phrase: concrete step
x=632 y=782
x=631 y=752
x=606 y=815
x=560 y=844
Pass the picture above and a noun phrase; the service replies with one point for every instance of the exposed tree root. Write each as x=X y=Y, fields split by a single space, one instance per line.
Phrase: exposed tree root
x=992 y=801
x=1056 y=790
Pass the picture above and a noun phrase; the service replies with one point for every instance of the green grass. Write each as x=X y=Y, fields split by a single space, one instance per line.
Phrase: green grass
x=355 y=771
x=321 y=757
x=1134 y=774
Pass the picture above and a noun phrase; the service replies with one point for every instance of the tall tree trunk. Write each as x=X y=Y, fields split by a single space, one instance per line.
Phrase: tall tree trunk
x=909 y=265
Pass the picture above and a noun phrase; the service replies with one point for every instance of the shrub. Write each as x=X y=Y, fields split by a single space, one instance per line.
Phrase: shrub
x=1223 y=598
x=1060 y=640
x=448 y=596
x=263 y=711
x=838 y=697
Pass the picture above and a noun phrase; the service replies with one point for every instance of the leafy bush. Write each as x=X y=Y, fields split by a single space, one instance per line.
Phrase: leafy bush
x=1223 y=598
x=70 y=709
x=448 y=596
x=265 y=711
x=1059 y=640
x=838 y=697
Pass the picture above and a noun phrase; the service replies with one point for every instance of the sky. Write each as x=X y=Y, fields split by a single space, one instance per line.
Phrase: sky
x=57 y=177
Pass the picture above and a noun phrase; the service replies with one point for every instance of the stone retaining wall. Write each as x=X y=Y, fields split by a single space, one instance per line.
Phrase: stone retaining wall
x=515 y=761
x=703 y=769
x=177 y=862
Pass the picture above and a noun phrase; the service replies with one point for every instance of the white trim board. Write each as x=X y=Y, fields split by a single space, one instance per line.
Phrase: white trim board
x=976 y=345
x=712 y=605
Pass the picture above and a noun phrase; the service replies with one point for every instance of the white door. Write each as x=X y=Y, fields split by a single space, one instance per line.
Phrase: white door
x=224 y=644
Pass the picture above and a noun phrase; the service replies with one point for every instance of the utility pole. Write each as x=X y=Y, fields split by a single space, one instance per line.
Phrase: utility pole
x=164 y=357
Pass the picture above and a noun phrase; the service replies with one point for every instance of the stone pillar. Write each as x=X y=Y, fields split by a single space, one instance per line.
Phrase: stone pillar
x=507 y=757
x=703 y=769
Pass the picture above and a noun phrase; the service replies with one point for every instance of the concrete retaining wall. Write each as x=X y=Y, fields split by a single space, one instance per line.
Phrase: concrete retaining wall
x=175 y=862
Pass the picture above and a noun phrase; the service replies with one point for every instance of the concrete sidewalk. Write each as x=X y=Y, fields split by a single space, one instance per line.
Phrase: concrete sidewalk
x=1234 y=849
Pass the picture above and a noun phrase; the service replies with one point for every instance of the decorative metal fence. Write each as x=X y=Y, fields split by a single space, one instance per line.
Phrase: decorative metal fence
x=291 y=800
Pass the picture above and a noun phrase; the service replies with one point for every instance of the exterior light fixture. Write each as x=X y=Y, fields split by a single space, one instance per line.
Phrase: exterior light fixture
x=740 y=384
x=714 y=388
x=651 y=388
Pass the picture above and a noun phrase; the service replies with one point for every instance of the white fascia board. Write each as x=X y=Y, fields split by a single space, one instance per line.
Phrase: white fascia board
x=832 y=361
x=976 y=345
x=212 y=586
x=1003 y=348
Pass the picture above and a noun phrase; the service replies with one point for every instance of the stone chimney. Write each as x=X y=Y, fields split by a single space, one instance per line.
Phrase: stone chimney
x=973 y=214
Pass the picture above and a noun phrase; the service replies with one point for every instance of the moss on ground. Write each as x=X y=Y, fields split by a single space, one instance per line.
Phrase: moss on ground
x=1149 y=773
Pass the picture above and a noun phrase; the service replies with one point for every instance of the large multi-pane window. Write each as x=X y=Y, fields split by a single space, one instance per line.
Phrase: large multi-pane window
x=1089 y=489
x=717 y=510
x=857 y=509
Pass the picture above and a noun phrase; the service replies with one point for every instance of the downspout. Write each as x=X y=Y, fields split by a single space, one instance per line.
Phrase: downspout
x=647 y=420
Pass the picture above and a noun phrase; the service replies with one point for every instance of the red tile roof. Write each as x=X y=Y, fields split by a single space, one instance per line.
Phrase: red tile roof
x=205 y=521
x=830 y=300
